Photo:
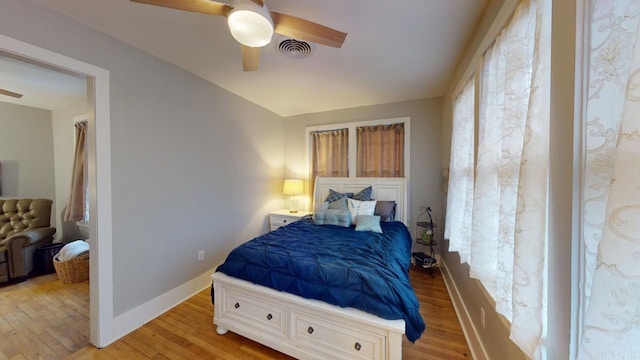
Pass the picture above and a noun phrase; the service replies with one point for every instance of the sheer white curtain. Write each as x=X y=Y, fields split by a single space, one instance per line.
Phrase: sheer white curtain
x=461 y=163
x=611 y=190
x=508 y=237
x=509 y=232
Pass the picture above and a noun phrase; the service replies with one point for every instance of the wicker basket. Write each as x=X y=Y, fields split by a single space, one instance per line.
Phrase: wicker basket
x=74 y=270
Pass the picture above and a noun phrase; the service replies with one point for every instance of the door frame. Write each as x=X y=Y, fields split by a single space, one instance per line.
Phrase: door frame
x=101 y=256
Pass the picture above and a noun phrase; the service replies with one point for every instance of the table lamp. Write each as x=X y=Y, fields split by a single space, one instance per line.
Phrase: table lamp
x=292 y=187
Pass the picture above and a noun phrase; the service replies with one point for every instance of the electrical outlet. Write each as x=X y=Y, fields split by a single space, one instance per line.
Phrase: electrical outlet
x=482 y=318
x=200 y=255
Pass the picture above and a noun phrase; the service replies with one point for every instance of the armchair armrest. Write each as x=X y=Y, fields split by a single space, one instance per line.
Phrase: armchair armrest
x=31 y=236
x=20 y=249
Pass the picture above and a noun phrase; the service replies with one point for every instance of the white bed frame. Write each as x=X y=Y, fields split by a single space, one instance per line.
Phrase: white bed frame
x=306 y=328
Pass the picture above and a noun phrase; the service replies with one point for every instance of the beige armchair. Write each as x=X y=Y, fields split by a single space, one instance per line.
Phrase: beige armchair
x=24 y=227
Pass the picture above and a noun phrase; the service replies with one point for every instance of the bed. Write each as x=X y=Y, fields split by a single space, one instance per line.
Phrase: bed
x=324 y=291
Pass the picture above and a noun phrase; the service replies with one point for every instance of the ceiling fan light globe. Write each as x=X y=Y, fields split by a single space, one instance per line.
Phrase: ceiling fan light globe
x=250 y=24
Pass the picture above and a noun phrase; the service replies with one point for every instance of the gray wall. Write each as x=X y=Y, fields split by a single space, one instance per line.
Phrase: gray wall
x=63 y=145
x=26 y=152
x=36 y=151
x=426 y=122
x=193 y=166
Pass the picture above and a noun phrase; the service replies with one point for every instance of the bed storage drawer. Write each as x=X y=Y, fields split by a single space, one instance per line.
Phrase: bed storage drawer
x=253 y=312
x=337 y=333
x=335 y=339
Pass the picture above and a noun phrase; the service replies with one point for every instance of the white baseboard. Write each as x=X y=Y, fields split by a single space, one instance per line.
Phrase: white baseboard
x=136 y=317
x=478 y=352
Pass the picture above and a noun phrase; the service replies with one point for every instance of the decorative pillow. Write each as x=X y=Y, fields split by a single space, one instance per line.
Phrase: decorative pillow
x=338 y=217
x=334 y=195
x=386 y=209
x=368 y=223
x=364 y=194
x=339 y=204
x=320 y=207
x=357 y=207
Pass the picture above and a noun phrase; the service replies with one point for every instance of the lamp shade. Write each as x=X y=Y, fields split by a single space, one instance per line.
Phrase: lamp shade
x=292 y=187
x=250 y=24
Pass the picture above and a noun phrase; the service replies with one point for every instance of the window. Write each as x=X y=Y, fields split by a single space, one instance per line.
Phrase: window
x=380 y=151
x=461 y=167
x=364 y=149
x=330 y=153
x=497 y=200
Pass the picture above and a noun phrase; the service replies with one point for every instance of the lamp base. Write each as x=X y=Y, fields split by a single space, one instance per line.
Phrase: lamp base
x=293 y=204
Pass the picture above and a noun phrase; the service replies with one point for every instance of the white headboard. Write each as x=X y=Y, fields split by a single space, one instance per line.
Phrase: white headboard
x=383 y=189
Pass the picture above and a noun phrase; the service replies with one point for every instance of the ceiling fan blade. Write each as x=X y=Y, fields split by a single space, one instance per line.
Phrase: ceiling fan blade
x=258 y=2
x=199 y=6
x=250 y=58
x=302 y=29
x=10 y=93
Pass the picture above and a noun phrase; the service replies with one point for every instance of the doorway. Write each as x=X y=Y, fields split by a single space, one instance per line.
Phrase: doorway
x=101 y=274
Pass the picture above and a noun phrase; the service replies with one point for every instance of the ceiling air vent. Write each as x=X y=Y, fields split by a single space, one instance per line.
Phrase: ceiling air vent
x=294 y=49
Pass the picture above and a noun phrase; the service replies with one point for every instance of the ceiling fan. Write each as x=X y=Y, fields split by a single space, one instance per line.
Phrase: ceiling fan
x=10 y=93
x=253 y=25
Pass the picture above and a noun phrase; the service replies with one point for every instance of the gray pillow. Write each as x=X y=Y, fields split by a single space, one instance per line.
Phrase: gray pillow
x=386 y=210
x=340 y=204
x=338 y=217
x=320 y=207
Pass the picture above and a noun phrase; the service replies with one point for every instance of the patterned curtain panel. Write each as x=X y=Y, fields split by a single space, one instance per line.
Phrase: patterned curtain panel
x=79 y=180
x=380 y=151
x=461 y=166
x=611 y=191
x=497 y=221
x=330 y=154
x=509 y=229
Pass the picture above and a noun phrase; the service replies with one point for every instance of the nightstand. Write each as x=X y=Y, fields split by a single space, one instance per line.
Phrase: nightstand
x=279 y=218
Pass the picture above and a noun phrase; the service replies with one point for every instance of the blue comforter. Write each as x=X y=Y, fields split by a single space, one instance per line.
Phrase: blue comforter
x=337 y=265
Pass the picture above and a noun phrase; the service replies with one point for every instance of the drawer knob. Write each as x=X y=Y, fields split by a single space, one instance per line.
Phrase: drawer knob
x=284 y=221
x=310 y=330
x=236 y=305
x=357 y=346
x=269 y=317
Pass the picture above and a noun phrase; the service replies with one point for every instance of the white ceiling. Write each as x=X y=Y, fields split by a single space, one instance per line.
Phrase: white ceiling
x=40 y=87
x=394 y=50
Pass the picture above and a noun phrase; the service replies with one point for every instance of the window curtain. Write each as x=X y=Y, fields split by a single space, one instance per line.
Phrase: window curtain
x=460 y=189
x=380 y=151
x=509 y=226
x=330 y=154
x=611 y=191
x=501 y=222
x=79 y=180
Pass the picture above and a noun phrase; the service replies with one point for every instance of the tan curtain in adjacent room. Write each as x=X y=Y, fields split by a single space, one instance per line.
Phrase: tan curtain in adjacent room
x=380 y=151
x=76 y=208
x=329 y=156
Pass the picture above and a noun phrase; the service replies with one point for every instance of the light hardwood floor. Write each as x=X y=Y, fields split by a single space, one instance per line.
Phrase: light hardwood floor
x=49 y=320
x=42 y=318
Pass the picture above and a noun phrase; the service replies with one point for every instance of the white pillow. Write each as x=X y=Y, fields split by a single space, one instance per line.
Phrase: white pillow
x=357 y=207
